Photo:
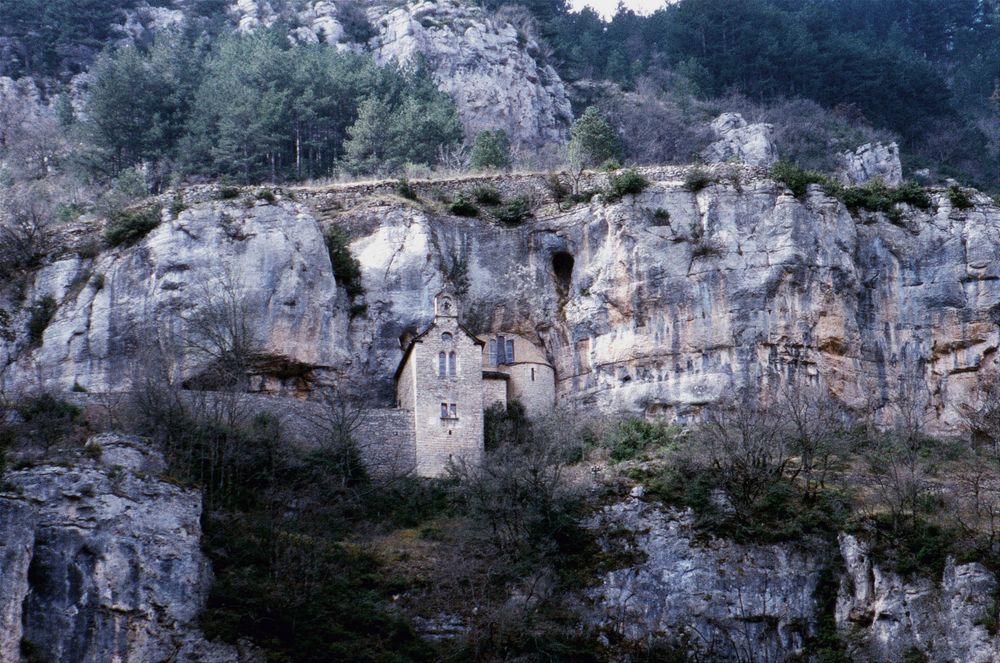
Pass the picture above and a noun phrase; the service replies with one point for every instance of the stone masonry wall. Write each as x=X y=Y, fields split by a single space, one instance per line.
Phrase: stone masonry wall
x=440 y=440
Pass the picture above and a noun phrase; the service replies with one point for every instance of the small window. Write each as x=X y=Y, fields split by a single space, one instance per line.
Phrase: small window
x=493 y=351
x=441 y=364
x=451 y=364
x=532 y=374
x=444 y=410
x=446 y=337
x=453 y=411
x=510 y=351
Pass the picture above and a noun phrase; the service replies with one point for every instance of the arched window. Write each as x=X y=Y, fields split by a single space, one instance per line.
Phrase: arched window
x=451 y=364
x=441 y=364
x=446 y=337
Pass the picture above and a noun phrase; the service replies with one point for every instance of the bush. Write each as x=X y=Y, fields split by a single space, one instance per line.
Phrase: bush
x=630 y=438
x=42 y=312
x=796 y=178
x=556 y=188
x=266 y=195
x=626 y=183
x=462 y=206
x=346 y=267
x=177 y=206
x=404 y=189
x=487 y=195
x=513 y=211
x=229 y=193
x=958 y=197
x=97 y=282
x=490 y=150
x=698 y=179
x=129 y=226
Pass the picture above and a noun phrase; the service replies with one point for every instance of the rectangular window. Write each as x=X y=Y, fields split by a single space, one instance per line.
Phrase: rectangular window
x=501 y=351
x=444 y=410
x=532 y=374
x=510 y=352
x=454 y=411
x=493 y=352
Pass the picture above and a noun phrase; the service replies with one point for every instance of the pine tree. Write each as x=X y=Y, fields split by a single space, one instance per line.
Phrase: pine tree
x=491 y=150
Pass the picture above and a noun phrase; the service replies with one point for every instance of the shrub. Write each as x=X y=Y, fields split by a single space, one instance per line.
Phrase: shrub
x=266 y=195
x=42 y=312
x=911 y=193
x=626 y=183
x=490 y=150
x=346 y=267
x=556 y=188
x=229 y=193
x=177 y=206
x=698 y=179
x=958 y=197
x=404 y=189
x=129 y=226
x=462 y=206
x=661 y=216
x=47 y=420
x=795 y=178
x=514 y=211
x=487 y=195
x=611 y=165
x=630 y=438
x=97 y=282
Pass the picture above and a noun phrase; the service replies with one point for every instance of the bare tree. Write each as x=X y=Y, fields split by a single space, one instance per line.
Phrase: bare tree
x=25 y=227
x=222 y=334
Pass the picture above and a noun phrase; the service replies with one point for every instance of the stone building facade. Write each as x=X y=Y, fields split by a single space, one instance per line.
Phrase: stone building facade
x=514 y=368
x=448 y=377
x=440 y=383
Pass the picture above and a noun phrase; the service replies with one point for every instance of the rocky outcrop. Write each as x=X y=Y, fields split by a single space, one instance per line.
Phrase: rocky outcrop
x=752 y=144
x=264 y=268
x=723 y=601
x=657 y=304
x=883 y=614
x=717 y=600
x=495 y=74
x=871 y=161
x=101 y=561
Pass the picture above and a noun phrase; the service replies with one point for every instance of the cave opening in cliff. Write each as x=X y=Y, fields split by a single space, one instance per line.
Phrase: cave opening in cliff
x=562 y=267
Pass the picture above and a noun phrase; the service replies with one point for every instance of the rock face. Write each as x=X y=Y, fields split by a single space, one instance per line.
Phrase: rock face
x=870 y=161
x=884 y=614
x=494 y=73
x=265 y=268
x=657 y=304
x=726 y=602
x=101 y=562
x=752 y=144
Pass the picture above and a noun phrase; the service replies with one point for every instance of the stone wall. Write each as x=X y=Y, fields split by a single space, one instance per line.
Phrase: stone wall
x=494 y=391
x=534 y=385
x=384 y=435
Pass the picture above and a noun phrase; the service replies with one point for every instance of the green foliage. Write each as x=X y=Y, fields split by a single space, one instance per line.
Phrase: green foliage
x=47 y=420
x=97 y=282
x=42 y=312
x=592 y=141
x=229 y=193
x=556 y=188
x=463 y=206
x=404 y=189
x=505 y=425
x=795 y=178
x=631 y=438
x=626 y=183
x=266 y=195
x=346 y=267
x=487 y=195
x=513 y=211
x=910 y=546
x=959 y=198
x=129 y=226
x=177 y=205
x=697 y=179
x=490 y=150
x=875 y=196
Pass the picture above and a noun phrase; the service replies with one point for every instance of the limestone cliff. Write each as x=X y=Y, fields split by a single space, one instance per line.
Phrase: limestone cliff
x=101 y=561
x=656 y=304
x=730 y=602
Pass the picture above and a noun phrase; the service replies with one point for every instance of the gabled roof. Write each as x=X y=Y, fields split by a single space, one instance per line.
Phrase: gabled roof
x=416 y=339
